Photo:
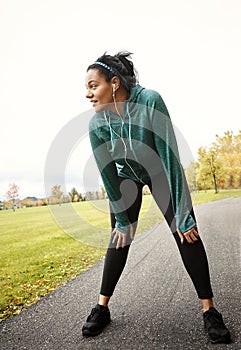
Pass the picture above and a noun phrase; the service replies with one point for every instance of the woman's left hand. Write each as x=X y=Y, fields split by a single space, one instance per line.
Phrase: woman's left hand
x=191 y=235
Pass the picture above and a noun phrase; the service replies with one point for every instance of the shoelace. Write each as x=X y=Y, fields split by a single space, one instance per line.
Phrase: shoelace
x=215 y=319
x=95 y=313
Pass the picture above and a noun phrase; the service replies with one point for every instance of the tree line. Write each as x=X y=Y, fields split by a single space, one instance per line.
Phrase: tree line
x=57 y=197
x=218 y=166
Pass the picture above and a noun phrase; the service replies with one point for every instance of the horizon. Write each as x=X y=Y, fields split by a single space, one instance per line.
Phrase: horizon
x=81 y=189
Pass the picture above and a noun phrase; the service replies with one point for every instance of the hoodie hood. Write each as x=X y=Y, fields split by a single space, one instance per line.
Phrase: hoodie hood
x=134 y=93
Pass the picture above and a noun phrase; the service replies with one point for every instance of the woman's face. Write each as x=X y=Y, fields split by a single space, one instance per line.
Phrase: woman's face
x=99 y=91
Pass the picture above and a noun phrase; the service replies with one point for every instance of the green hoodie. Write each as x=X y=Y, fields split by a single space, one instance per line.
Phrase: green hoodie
x=140 y=146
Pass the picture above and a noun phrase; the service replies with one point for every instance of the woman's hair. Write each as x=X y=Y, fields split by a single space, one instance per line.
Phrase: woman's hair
x=118 y=65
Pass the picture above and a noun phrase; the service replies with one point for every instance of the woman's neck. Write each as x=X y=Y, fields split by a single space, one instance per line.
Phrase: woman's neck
x=121 y=95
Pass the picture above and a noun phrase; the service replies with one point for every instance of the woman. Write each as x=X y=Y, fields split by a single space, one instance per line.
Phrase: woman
x=134 y=145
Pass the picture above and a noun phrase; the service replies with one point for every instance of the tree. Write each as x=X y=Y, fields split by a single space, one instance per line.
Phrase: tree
x=190 y=173
x=229 y=149
x=74 y=195
x=103 y=192
x=12 y=194
x=214 y=166
x=237 y=145
x=209 y=168
x=57 y=194
x=220 y=164
x=203 y=177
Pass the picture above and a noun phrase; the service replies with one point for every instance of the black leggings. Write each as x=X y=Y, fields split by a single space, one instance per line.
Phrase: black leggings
x=193 y=255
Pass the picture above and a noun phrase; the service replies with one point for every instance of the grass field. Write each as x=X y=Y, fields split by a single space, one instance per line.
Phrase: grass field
x=43 y=247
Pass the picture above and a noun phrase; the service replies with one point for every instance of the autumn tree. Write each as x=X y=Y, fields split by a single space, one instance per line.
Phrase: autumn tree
x=237 y=147
x=57 y=194
x=209 y=168
x=191 y=174
x=103 y=192
x=12 y=194
x=229 y=149
x=74 y=195
x=220 y=164
x=214 y=167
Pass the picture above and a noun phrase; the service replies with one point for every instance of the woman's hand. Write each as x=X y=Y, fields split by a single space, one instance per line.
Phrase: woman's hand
x=191 y=235
x=121 y=237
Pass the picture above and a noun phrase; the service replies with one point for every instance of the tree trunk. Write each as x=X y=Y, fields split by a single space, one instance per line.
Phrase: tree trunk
x=215 y=183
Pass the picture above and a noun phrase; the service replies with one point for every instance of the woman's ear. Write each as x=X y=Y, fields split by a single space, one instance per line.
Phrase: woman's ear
x=115 y=83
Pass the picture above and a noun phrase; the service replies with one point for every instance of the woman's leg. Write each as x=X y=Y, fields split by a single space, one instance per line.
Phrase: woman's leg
x=196 y=263
x=115 y=259
x=193 y=255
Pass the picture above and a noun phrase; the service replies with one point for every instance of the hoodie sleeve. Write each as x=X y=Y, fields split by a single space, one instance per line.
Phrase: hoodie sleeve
x=108 y=171
x=166 y=146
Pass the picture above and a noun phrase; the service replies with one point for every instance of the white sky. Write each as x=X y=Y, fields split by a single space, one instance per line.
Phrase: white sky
x=187 y=50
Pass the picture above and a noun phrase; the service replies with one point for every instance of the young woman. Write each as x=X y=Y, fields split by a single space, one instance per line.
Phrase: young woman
x=134 y=145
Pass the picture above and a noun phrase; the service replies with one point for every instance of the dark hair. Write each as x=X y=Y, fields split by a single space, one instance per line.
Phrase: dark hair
x=119 y=63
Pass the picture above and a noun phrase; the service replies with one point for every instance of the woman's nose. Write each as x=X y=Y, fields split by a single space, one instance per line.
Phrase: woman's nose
x=89 y=94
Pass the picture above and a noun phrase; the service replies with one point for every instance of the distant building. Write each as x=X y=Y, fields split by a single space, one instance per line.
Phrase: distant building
x=30 y=202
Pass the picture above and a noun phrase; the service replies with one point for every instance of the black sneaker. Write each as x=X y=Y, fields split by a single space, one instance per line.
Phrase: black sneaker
x=215 y=327
x=96 y=321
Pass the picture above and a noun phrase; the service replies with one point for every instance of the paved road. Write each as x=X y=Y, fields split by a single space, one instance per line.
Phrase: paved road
x=154 y=306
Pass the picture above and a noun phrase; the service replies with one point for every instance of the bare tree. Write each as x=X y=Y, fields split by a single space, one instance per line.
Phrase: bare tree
x=57 y=194
x=12 y=194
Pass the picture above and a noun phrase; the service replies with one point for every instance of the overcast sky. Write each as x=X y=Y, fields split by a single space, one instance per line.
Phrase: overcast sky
x=189 y=51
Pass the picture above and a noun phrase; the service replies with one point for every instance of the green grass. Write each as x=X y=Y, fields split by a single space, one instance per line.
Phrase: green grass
x=208 y=196
x=41 y=250
x=36 y=257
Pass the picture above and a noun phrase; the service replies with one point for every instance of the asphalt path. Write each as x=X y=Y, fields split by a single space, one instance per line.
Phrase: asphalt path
x=154 y=305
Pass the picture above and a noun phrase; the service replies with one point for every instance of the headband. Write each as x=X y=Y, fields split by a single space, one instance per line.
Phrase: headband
x=107 y=67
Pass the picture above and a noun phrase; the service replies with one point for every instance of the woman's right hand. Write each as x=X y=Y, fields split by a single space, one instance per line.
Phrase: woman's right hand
x=120 y=237
x=191 y=235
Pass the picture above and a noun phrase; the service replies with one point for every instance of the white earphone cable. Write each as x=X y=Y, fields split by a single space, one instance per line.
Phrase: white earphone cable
x=121 y=136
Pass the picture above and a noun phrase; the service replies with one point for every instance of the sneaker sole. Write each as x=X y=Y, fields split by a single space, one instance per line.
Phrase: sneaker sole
x=88 y=333
x=221 y=341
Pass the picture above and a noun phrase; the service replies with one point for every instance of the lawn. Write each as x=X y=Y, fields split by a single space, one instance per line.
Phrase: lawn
x=44 y=247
